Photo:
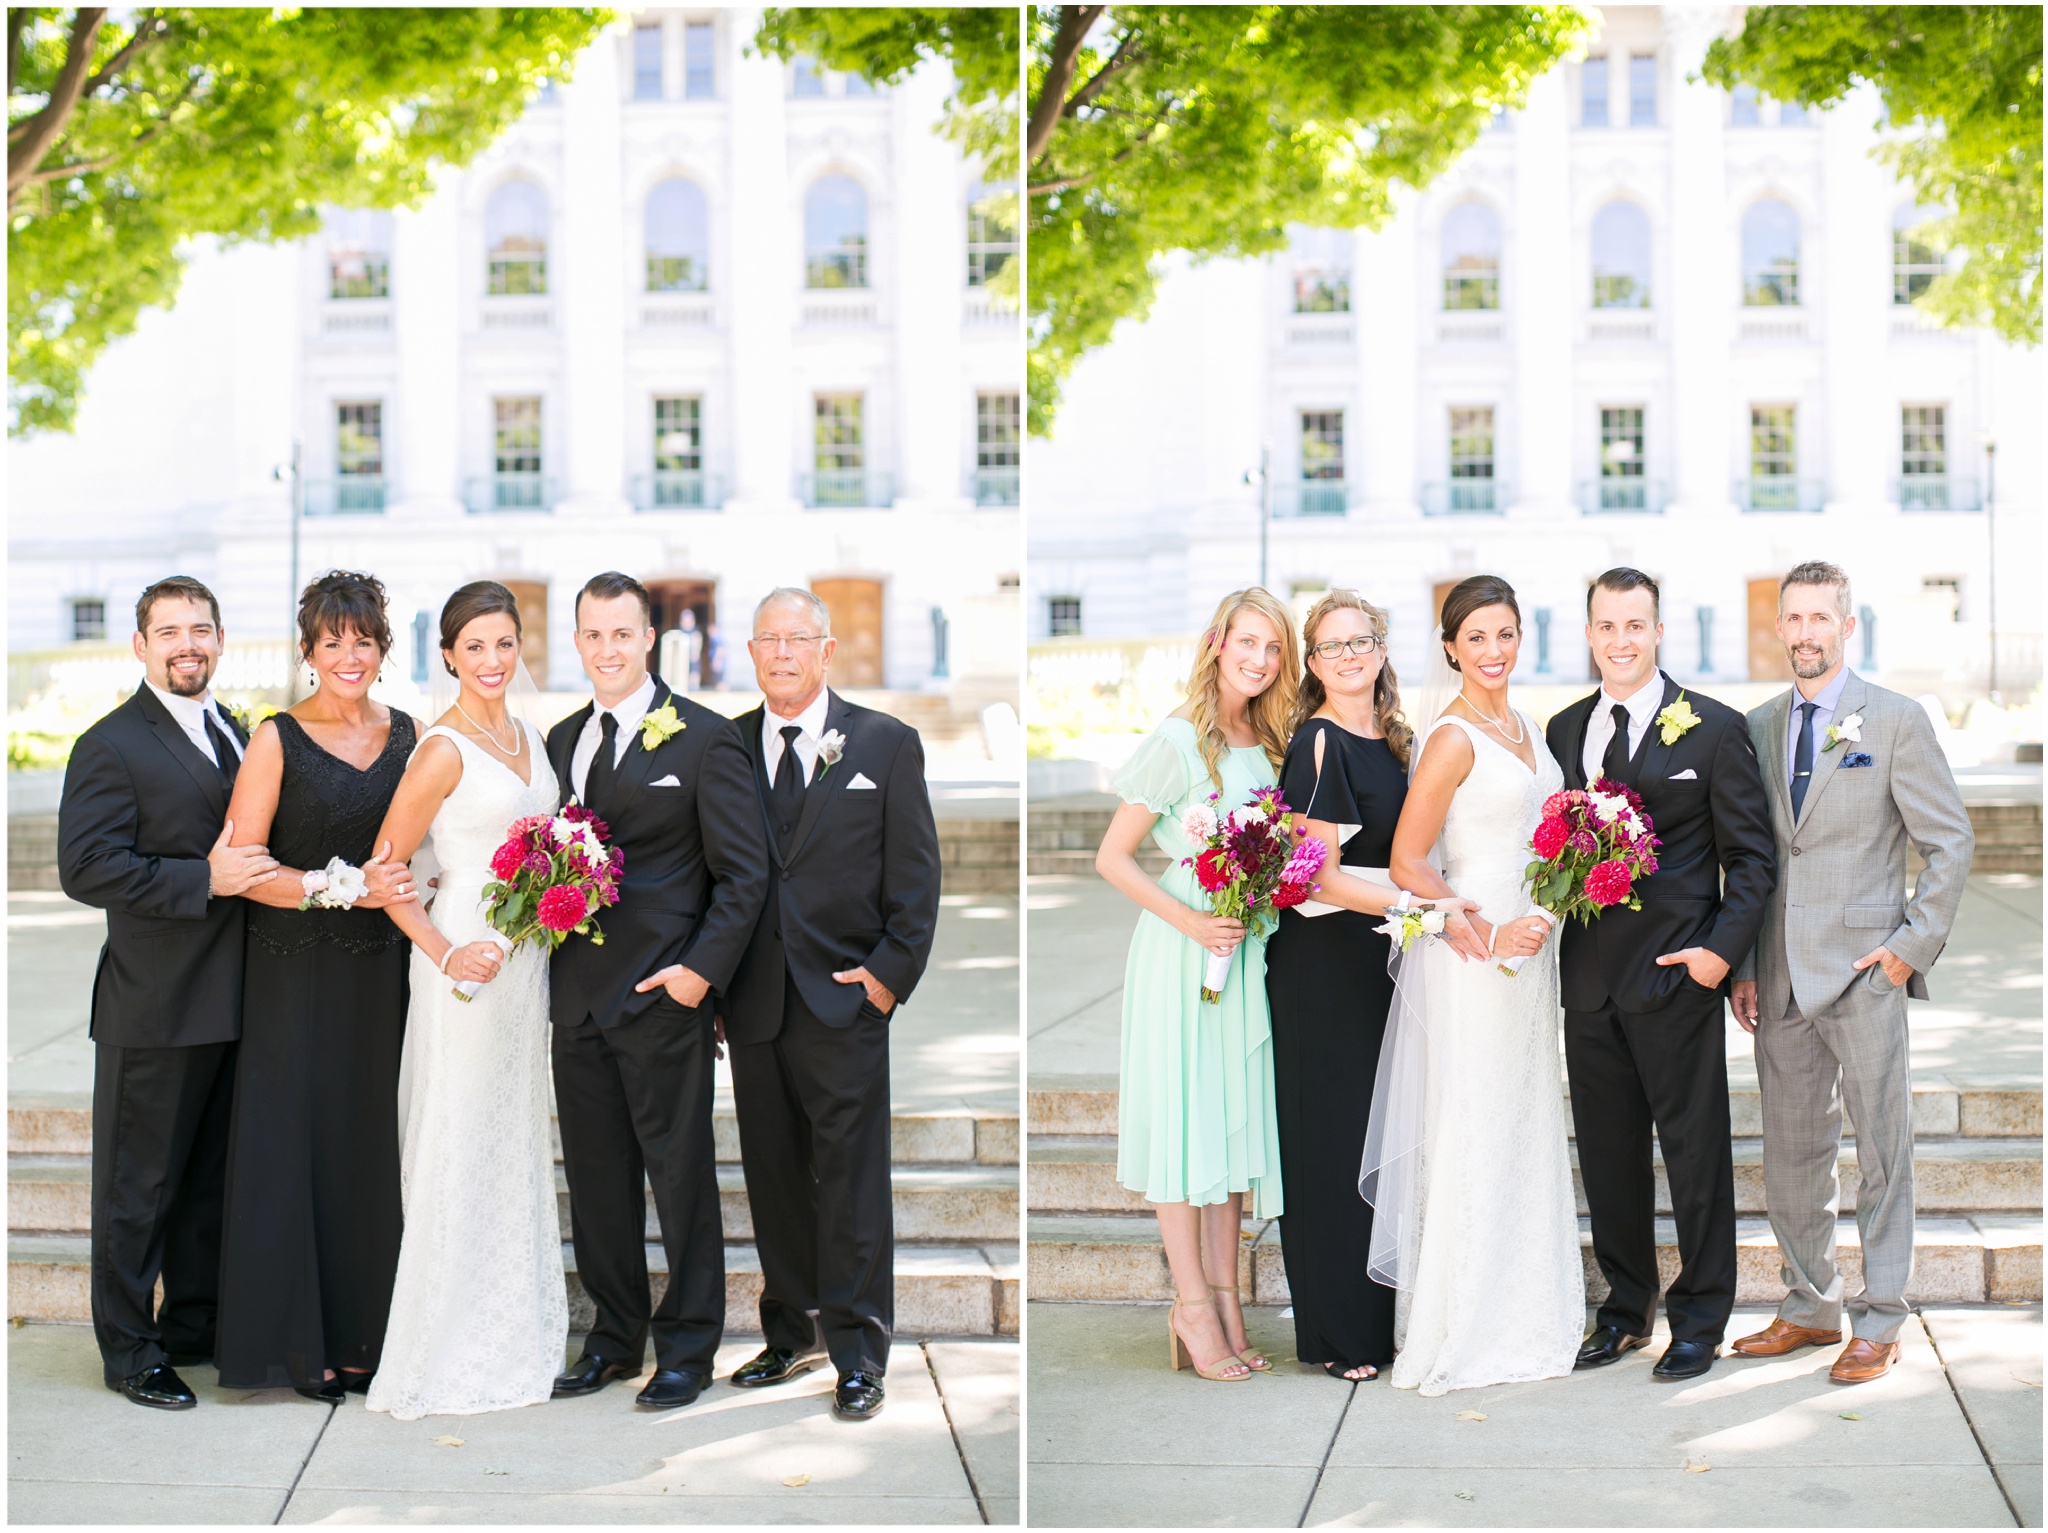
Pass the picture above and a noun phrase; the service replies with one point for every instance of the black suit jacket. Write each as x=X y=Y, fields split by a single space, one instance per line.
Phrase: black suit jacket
x=696 y=865
x=856 y=886
x=141 y=809
x=1715 y=870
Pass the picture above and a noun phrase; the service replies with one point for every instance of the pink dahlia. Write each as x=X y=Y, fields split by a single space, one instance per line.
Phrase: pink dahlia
x=1551 y=836
x=1556 y=805
x=562 y=909
x=1608 y=884
x=506 y=860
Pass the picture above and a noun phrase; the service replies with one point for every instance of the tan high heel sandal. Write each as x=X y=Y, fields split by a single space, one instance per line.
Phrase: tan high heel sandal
x=1176 y=1344
x=1251 y=1357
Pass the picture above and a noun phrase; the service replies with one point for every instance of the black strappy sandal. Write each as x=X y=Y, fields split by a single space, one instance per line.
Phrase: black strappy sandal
x=1341 y=1373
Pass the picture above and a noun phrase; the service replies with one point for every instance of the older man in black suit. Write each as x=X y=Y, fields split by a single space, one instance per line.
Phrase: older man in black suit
x=852 y=906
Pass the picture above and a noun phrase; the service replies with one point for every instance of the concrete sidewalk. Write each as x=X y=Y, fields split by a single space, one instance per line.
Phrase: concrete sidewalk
x=1952 y=1438
x=944 y=1450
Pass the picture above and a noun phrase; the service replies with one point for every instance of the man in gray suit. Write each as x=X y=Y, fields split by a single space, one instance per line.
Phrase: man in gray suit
x=1855 y=772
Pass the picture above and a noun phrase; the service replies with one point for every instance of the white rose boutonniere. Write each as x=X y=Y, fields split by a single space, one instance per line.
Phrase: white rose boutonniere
x=1676 y=720
x=662 y=724
x=1850 y=729
x=335 y=887
x=830 y=749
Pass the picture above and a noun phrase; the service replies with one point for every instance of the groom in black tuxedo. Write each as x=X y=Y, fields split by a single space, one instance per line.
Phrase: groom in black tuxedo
x=633 y=1046
x=141 y=835
x=1643 y=990
x=852 y=906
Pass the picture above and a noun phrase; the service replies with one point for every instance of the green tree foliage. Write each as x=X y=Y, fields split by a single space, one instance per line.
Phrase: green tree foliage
x=1962 y=83
x=1209 y=129
x=126 y=139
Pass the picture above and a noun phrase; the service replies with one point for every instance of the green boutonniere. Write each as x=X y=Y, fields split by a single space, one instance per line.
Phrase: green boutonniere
x=1676 y=720
x=662 y=724
x=249 y=718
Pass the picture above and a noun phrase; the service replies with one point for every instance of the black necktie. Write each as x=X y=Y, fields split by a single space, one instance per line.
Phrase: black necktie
x=597 y=782
x=225 y=761
x=1615 y=762
x=787 y=790
x=1802 y=757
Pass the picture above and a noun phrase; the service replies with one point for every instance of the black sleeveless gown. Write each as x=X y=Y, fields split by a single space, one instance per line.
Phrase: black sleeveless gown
x=1329 y=992
x=310 y=1247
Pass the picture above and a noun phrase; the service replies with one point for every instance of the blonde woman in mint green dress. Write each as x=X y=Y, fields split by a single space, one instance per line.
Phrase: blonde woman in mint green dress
x=1196 y=1129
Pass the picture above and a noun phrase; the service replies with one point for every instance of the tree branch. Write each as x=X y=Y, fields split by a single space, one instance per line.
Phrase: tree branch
x=1068 y=183
x=1075 y=20
x=149 y=31
x=17 y=23
x=40 y=131
x=1126 y=54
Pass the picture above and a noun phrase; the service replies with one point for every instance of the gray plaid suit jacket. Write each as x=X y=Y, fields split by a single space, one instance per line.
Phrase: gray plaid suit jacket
x=1842 y=865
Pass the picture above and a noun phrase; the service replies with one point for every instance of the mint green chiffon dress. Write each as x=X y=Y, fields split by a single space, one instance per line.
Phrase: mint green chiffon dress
x=1195 y=1117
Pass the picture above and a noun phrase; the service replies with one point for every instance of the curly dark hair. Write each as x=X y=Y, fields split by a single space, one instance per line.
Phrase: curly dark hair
x=344 y=601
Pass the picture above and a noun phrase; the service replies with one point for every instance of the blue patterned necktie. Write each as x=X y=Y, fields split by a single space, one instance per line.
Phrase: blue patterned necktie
x=1802 y=757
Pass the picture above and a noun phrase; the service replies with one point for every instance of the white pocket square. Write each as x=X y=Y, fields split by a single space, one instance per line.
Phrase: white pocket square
x=860 y=780
x=1688 y=775
x=665 y=782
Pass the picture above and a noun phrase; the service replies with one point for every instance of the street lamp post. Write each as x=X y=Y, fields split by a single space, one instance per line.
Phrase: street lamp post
x=291 y=666
x=1265 y=502
x=1991 y=550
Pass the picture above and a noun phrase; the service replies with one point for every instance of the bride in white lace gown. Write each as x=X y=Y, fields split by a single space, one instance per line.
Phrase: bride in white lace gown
x=1466 y=1163
x=480 y=1317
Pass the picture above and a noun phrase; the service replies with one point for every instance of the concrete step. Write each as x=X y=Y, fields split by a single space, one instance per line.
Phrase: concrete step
x=941 y=1290
x=1944 y=1107
x=60 y=1123
x=53 y=1194
x=1076 y=1173
x=1099 y=1257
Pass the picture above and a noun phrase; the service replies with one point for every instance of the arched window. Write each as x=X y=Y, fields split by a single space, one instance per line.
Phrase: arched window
x=1915 y=264
x=678 y=238
x=1322 y=270
x=991 y=231
x=1621 y=257
x=1471 y=251
x=835 y=233
x=1770 y=255
x=358 y=253
x=516 y=234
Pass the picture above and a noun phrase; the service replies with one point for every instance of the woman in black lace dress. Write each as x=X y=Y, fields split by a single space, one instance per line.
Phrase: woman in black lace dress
x=310 y=1248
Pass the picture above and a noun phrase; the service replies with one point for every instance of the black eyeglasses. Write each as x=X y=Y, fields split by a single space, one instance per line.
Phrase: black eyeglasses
x=1358 y=644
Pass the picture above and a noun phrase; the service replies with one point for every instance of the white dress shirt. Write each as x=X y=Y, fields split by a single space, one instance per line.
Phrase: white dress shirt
x=812 y=721
x=629 y=711
x=190 y=712
x=1643 y=705
x=1825 y=706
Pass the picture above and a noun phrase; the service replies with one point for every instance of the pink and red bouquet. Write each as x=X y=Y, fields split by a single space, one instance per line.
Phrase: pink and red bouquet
x=1252 y=866
x=1591 y=847
x=552 y=875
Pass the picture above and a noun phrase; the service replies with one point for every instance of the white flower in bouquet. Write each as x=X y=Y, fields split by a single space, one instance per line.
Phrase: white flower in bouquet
x=1251 y=814
x=563 y=830
x=1607 y=806
x=1432 y=923
x=1199 y=824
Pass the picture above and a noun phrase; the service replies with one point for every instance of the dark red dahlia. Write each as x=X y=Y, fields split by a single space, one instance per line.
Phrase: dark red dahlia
x=1551 y=836
x=505 y=861
x=562 y=908
x=1213 y=870
x=1608 y=884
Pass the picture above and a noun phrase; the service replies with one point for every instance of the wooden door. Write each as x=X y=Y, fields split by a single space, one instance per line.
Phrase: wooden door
x=856 y=608
x=1767 y=658
x=532 y=596
x=672 y=601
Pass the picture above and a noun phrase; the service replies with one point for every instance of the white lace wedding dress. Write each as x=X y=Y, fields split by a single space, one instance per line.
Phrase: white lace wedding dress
x=1474 y=1218
x=480 y=1316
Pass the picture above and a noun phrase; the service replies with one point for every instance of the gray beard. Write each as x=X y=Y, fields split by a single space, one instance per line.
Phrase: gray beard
x=1806 y=670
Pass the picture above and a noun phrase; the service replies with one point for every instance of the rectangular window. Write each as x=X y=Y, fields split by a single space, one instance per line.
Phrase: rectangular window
x=700 y=65
x=858 y=85
x=1063 y=616
x=1791 y=115
x=805 y=78
x=1773 y=458
x=1322 y=290
x=998 y=448
x=1704 y=617
x=1593 y=91
x=516 y=454
x=647 y=62
x=359 y=456
x=1914 y=265
x=991 y=235
x=1472 y=486
x=1866 y=630
x=1742 y=104
x=678 y=450
x=88 y=620
x=1642 y=90
x=837 y=450
x=1542 y=616
x=1949 y=588
x=1923 y=457
x=1621 y=459
x=1322 y=462
x=358 y=274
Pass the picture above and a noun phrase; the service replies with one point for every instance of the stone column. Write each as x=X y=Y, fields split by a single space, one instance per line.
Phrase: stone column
x=1540 y=286
x=1384 y=322
x=1853 y=266
x=1696 y=301
x=589 y=286
x=423 y=436
x=929 y=261
x=762 y=277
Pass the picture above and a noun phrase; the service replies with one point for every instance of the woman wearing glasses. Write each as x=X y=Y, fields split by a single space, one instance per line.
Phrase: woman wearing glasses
x=1346 y=775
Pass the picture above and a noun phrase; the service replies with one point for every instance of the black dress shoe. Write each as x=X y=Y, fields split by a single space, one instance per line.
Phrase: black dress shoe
x=159 y=1387
x=772 y=1366
x=589 y=1376
x=333 y=1392
x=189 y=1359
x=858 y=1397
x=673 y=1387
x=357 y=1383
x=1606 y=1345
x=1683 y=1360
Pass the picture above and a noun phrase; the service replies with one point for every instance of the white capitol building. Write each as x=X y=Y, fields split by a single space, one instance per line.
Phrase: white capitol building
x=1642 y=321
x=713 y=319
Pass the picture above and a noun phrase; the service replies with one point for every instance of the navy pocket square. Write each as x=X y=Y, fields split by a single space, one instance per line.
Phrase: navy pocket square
x=1857 y=759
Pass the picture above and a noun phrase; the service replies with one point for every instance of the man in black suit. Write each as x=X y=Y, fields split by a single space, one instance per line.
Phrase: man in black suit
x=844 y=938
x=141 y=835
x=633 y=1047
x=1643 y=989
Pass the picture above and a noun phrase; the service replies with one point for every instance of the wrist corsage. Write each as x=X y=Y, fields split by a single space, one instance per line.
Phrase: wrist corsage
x=1406 y=922
x=335 y=887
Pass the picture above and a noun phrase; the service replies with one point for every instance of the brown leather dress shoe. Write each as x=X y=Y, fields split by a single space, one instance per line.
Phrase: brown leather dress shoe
x=1861 y=1361
x=1782 y=1336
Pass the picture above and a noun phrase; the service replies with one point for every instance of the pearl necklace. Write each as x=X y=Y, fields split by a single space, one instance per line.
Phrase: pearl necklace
x=502 y=750
x=1513 y=739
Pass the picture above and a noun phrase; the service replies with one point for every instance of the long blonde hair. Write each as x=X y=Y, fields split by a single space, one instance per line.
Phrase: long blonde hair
x=1386 y=690
x=1272 y=710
